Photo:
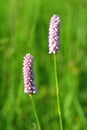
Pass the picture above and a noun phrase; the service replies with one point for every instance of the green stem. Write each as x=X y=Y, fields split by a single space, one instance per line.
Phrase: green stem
x=39 y=128
x=57 y=94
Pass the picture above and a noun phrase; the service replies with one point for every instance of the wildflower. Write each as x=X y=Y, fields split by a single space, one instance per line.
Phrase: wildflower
x=29 y=85
x=54 y=34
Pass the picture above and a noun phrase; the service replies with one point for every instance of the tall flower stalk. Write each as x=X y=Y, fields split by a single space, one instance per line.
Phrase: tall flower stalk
x=54 y=46
x=57 y=93
x=34 y=109
x=29 y=85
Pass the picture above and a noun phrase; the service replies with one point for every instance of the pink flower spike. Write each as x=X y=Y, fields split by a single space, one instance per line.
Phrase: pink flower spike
x=29 y=85
x=54 y=34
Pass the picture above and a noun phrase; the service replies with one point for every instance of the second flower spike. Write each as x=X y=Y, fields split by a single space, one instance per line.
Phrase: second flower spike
x=29 y=85
x=54 y=32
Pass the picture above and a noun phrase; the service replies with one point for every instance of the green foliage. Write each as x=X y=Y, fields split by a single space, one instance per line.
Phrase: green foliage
x=24 y=29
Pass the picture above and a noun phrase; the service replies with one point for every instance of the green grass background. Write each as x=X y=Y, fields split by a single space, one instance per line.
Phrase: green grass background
x=24 y=29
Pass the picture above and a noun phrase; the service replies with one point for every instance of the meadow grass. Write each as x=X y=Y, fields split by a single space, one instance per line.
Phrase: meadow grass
x=24 y=29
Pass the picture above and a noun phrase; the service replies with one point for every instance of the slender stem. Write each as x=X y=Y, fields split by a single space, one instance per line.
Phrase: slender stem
x=57 y=92
x=39 y=128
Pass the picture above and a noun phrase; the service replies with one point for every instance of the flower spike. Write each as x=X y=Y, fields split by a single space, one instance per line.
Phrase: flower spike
x=29 y=85
x=54 y=32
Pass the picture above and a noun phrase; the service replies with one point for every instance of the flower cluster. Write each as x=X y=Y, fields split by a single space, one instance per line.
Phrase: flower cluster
x=28 y=75
x=54 y=34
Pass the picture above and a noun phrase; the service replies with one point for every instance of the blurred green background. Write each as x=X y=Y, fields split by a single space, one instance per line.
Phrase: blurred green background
x=24 y=29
